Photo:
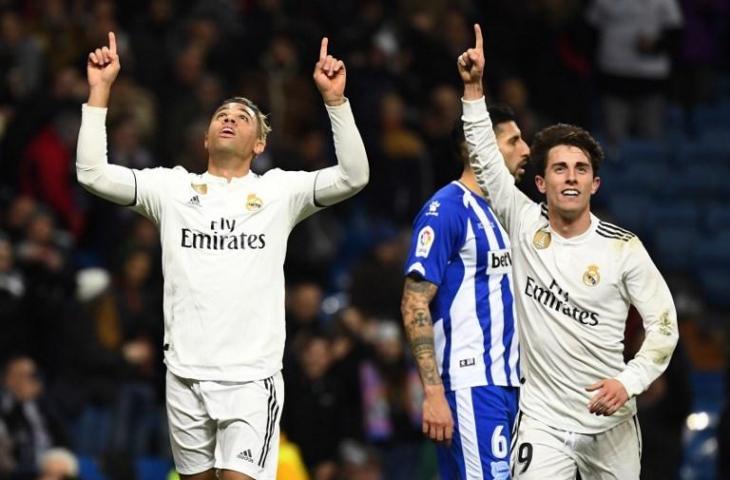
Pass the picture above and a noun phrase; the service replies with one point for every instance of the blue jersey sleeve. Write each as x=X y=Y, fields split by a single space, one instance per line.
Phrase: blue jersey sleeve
x=438 y=233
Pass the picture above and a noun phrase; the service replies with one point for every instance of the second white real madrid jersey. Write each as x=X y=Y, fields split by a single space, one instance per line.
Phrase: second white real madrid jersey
x=573 y=297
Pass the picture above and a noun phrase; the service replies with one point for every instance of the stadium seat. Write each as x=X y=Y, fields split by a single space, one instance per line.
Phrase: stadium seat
x=715 y=282
x=629 y=209
x=714 y=250
x=672 y=247
x=89 y=469
x=151 y=468
x=644 y=151
x=717 y=217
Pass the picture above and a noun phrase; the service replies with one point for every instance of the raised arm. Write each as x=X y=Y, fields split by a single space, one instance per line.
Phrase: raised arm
x=111 y=182
x=438 y=423
x=485 y=159
x=352 y=172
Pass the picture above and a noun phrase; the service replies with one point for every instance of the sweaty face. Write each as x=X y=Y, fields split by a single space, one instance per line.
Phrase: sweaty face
x=569 y=181
x=514 y=149
x=233 y=130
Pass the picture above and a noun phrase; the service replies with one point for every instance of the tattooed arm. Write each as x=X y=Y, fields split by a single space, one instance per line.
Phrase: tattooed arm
x=438 y=423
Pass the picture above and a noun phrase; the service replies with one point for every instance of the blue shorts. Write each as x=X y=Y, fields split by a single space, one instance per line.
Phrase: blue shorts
x=483 y=421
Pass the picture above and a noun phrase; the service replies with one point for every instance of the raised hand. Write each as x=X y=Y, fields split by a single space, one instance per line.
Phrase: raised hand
x=471 y=62
x=329 y=76
x=102 y=68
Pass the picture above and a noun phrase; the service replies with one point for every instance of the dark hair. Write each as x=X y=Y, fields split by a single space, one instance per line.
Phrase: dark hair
x=564 y=134
x=499 y=113
x=263 y=126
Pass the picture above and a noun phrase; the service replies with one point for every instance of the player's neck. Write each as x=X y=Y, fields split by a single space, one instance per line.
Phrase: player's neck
x=469 y=181
x=228 y=168
x=568 y=226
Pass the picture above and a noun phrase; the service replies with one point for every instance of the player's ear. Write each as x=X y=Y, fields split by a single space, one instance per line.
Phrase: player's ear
x=205 y=140
x=596 y=184
x=259 y=146
x=540 y=183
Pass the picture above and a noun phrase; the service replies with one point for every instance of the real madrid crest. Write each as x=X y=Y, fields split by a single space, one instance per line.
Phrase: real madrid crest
x=253 y=202
x=542 y=239
x=591 y=277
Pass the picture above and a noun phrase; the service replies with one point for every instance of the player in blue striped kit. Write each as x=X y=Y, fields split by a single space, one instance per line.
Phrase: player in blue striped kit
x=460 y=320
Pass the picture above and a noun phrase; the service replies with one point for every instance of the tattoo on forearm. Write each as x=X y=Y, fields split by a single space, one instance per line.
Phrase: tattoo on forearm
x=419 y=327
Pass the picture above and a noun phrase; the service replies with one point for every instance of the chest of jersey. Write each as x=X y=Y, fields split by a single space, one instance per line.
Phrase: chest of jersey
x=573 y=282
x=224 y=217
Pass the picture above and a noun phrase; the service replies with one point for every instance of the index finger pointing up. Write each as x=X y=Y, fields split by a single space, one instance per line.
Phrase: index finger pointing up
x=112 y=42
x=478 y=35
x=323 y=49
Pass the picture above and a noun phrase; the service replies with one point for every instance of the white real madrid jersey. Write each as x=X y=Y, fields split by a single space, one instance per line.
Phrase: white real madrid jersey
x=223 y=256
x=573 y=297
x=223 y=245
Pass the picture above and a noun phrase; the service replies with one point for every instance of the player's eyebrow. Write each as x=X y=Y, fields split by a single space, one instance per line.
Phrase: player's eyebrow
x=241 y=107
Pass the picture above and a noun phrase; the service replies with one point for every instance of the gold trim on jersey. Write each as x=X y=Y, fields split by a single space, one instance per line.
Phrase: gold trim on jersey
x=201 y=188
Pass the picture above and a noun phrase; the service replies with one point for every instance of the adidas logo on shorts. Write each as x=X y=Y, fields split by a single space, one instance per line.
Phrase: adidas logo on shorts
x=246 y=455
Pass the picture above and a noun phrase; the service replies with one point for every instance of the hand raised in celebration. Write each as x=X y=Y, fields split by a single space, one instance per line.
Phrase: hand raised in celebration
x=471 y=62
x=329 y=76
x=103 y=65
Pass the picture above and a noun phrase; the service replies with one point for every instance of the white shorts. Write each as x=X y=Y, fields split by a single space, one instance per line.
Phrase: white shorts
x=541 y=452
x=225 y=425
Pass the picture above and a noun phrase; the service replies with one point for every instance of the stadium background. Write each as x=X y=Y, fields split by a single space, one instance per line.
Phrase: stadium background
x=80 y=283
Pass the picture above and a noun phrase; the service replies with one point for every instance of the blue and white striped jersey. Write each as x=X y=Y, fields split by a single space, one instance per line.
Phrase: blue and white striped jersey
x=459 y=245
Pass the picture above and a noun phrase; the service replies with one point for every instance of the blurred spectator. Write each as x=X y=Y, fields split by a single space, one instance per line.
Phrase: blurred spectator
x=303 y=309
x=359 y=462
x=30 y=419
x=125 y=144
x=312 y=417
x=15 y=335
x=392 y=397
x=442 y=115
x=700 y=50
x=20 y=58
x=46 y=166
x=635 y=45
x=377 y=281
x=58 y=464
x=401 y=172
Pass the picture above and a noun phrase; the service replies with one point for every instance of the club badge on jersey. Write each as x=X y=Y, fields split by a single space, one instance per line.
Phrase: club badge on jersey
x=253 y=202
x=591 y=277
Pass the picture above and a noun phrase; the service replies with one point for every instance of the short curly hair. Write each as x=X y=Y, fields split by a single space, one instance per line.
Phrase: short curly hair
x=564 y=134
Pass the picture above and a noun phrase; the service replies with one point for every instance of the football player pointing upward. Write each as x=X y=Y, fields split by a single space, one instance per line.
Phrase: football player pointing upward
x=224 y=236
x=575 y=277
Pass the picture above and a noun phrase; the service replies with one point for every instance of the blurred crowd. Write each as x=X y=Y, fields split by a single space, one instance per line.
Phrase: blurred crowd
x=80 y=279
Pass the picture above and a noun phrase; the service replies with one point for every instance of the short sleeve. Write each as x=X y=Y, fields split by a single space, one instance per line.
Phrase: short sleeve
x=438 y=233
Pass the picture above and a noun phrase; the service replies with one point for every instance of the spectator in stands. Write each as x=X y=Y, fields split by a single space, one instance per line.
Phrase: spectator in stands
x=635 y=46
x=30 y=419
